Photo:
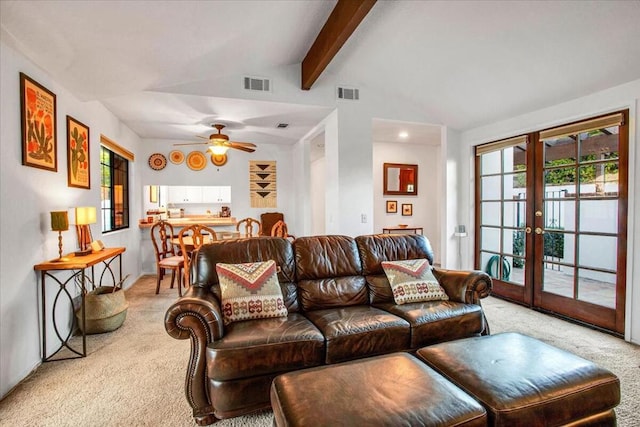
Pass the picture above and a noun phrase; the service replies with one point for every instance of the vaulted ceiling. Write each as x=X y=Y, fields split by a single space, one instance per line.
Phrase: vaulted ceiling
x=162 y=67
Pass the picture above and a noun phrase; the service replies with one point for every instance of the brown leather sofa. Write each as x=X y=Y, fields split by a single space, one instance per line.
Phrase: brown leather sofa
x=340 y=308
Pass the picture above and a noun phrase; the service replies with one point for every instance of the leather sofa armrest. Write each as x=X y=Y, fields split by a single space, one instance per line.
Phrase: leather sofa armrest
x=197 y=316
x=465 y=286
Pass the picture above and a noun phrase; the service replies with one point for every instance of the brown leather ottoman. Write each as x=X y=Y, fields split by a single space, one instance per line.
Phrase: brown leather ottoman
x=524 y=382
x=391 y=390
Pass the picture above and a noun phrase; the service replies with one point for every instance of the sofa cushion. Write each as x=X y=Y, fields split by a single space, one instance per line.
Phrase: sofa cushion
x=329 y=273
x=437 y=321
x=412 y=281
x=359 y=331
x=254 y=249
x=250 y=291
x=376 y=248
x=265 y=346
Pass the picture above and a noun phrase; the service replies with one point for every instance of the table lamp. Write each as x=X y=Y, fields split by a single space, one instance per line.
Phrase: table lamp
x=60 y=223
x=85 y=215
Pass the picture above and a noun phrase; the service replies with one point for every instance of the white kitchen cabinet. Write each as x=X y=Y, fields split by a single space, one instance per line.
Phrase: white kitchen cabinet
x=185 y=194
x=216 y=194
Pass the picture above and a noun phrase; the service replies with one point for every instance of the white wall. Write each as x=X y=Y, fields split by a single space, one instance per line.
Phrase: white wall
x=613 y=99
x=426 y=205
x=27 y=196
x=234 y=173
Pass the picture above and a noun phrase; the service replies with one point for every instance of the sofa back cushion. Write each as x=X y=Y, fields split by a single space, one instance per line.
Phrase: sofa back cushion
x=377 y=248
x=329 y=273
x=255 y=249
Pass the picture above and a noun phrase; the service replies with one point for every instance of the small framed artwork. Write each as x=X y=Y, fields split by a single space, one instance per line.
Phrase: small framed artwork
x=392 y=206
x=38 y=120
x=77 y=154
x=407 y=209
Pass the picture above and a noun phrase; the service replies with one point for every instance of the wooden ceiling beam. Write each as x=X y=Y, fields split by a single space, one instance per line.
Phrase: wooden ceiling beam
x=344 y=19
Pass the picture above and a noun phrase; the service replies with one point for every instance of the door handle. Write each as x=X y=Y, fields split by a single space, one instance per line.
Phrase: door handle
x=539 y=230
x=527 y=230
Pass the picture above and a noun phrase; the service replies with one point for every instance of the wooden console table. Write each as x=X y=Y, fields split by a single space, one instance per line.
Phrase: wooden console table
x=78 y=265
x=413 y=230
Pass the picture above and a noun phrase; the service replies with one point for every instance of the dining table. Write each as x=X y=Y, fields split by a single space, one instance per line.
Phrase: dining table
x=188 y=240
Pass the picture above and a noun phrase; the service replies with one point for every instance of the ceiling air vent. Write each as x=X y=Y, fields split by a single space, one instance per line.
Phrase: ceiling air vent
x=349 y=93
x=257 y=84
x=282 y=125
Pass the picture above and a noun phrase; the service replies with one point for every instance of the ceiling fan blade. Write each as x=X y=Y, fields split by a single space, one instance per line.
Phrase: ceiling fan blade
x=203 y=137
x=193 y=143
x=240 y=147
x=244 y=144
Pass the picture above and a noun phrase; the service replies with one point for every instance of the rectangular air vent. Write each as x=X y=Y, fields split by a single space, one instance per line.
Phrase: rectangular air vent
x=257 y=83
x=349 y=93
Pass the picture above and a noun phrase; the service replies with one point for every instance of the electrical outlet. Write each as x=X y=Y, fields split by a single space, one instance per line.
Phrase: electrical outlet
x=363 y=218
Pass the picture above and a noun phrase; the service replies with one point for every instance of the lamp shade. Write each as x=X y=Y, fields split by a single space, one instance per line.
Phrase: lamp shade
x=218 y=150
x=85 y=215
x=59 y=221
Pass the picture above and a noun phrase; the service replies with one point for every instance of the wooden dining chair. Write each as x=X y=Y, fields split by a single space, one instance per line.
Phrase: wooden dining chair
x=191 y=238
x=166 y=258
x=268 y=220
x=248 y=225
x=279 y=229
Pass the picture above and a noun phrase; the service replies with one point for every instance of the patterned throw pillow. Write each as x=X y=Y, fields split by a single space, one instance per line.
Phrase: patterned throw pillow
x=412 y=281
x=250 y=291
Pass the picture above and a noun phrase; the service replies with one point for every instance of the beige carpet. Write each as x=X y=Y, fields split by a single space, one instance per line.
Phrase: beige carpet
x=134 y=376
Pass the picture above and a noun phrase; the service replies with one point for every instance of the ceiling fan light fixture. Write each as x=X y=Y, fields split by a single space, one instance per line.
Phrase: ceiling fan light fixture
x=218 y=150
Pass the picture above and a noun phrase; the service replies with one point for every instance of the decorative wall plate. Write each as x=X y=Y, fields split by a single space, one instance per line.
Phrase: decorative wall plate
x=196 y=161
x=176 y=157
x=219 y=159
x=157 y=161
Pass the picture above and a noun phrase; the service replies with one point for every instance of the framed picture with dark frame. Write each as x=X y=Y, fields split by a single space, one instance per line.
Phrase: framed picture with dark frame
x=78 y=154
x=407 y=209
x=38 y=120
x=392 y=206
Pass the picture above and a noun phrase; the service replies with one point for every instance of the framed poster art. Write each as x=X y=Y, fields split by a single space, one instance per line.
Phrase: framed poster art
x=77 y=154
x=407 y=209
x=38 y=120
x=392 y=206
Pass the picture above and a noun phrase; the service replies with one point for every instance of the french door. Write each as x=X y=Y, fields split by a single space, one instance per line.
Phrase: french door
x=551 y=219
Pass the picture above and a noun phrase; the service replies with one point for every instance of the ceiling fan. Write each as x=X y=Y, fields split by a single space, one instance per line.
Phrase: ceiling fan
x=219 y=142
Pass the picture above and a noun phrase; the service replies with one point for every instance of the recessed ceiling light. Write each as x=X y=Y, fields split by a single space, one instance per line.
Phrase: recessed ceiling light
x=403 y=134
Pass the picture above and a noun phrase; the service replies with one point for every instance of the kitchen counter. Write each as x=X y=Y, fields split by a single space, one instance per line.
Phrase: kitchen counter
x=190 y=220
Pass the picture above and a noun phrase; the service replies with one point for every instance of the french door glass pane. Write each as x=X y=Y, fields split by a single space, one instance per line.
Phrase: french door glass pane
x=515 y=186
x=602 y=144
x=490 y=163
x=491 y=188
x=599 y=216
x=559 y=247
x=598 y=252
x=560 y=151
x=560 y=179
x=515 y=158
x=517 y=270
x=599 y=180
x=597 y=287
x=560 y=214
x=490 y=239
x=558 y=279
x=514 y=214
x=491 y=213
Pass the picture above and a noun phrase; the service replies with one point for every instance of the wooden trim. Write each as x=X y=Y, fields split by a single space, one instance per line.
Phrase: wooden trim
x=116 y=148
x=344 y=19
x=499 y=145
x=583 y=126
x=623 y=216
